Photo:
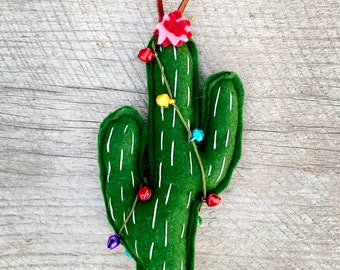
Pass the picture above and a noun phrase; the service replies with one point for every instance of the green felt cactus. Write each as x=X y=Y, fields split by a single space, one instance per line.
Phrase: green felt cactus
x=160 y=233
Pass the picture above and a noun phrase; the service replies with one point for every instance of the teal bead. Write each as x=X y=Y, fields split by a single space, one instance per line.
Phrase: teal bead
x=197 y=135
x=127 y=253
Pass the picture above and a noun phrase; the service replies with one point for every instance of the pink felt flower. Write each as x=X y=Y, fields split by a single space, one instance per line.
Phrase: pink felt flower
x=173 y=29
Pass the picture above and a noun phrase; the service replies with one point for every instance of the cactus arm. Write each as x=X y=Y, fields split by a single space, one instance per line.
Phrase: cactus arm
x=121 y=142
x=233 y=143
x=222 y=121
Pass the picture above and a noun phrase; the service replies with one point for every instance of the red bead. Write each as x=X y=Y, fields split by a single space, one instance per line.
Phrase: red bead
x=146 y=55
x=212 y=200
x=144 y=193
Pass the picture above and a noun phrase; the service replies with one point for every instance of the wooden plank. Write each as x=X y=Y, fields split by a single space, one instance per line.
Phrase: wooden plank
x=65 y=64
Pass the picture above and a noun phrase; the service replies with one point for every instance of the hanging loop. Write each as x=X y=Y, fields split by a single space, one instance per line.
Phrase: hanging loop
x=160 y=7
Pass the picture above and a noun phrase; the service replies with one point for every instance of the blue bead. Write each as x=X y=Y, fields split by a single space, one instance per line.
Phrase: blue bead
x=127 y=253
x=197 y=135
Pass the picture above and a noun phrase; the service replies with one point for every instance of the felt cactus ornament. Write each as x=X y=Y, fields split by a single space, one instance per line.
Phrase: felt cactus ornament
x=154 y=180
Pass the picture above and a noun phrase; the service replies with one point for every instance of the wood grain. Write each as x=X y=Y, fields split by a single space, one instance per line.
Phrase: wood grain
x=64 y=65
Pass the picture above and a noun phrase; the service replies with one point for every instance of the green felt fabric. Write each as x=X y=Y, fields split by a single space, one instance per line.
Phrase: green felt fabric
x=161 y=232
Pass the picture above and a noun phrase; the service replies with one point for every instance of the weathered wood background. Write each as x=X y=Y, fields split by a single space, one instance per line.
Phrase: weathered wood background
x=65 y=64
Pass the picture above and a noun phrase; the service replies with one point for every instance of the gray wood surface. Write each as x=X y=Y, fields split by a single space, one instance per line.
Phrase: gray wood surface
x=65 y=64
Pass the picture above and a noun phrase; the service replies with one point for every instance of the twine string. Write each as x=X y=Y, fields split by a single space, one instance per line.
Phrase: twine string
x=167 y=85
x=199 y=160
x=160 y=7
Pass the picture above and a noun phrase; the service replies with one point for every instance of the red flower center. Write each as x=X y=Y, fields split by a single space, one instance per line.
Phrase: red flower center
x=174 y=26
x=173 y=29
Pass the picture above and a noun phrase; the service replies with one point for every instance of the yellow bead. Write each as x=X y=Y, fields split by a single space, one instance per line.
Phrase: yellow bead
x=164 y=100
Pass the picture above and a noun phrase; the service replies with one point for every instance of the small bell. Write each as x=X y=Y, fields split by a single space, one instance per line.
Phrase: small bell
x=164 y=100
x=197 y=135
x=199 y=221
x=212 y=200
x=127 y=253
x=146 y=55
x=113 y=241
x=144 y=193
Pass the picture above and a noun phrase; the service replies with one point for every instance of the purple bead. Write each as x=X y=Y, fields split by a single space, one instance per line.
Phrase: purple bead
x=113 y=241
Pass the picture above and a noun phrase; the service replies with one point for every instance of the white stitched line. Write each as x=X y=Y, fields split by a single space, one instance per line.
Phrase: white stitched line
x=181 y=265
x=162 y=75
x=219 y=176
x=215 y=135
x=122 y=194
x=231 y=101
x=162 y=113
x=108 y=142
x=162 y=140
x=175 y=86
x=132 y=179
x=121 y=159
x=111 y=210
x=216 y=102
x=126 y=127
x=166 y=234
x=133 y=217
x=188 y=102
x=183 y=228
x=132 y=142
x=172 y=152
x=125 y=227
x=136 y=248
x=227 y=140
x=154 y=214
x=188 y=64
x=190 y=160
x=108 y=173
x=189 y=198
x=174 y=118
x=175 y=53
x=168 y=194
x=164 y=266
x=151 y=250
x=209 y=173
x=160 y=175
